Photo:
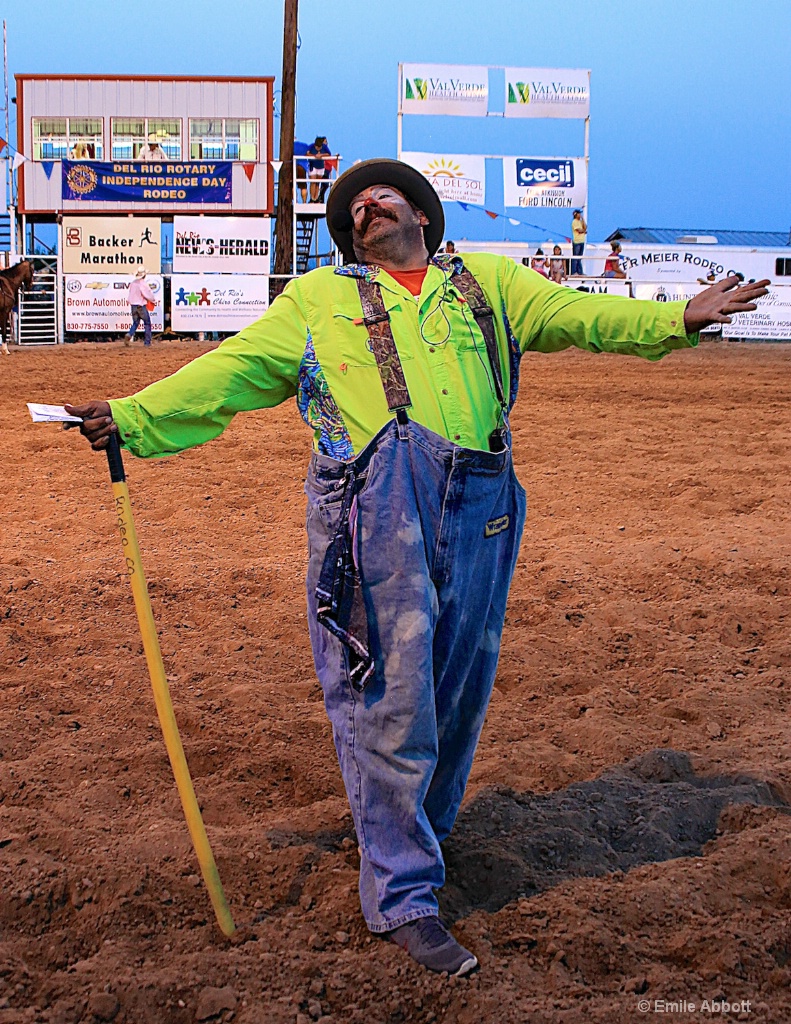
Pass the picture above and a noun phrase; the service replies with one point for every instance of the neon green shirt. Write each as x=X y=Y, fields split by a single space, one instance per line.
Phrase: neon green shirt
x=311 y=344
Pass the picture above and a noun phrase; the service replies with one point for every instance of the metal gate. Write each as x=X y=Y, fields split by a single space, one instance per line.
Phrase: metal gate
x=37 y=322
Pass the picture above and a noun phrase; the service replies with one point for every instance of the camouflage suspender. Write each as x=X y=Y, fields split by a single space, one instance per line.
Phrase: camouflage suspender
x=377 y=320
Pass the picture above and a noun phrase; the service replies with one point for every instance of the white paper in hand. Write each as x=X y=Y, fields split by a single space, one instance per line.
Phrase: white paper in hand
x=50 y=414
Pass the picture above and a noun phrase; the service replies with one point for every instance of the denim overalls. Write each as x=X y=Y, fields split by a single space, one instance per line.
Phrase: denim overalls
x=412 y=547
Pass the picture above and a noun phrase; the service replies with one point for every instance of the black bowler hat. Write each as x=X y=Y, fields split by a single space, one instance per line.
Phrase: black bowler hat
x=399 y=175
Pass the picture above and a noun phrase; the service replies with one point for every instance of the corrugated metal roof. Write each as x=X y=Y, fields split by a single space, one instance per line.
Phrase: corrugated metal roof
x=670 y=236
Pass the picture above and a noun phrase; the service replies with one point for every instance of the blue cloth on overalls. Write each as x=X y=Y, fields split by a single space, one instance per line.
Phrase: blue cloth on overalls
x=425 y=562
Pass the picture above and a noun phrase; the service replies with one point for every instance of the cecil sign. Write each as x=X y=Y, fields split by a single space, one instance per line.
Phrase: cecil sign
x=93 y=244
x=536 y=181
x=146 y=182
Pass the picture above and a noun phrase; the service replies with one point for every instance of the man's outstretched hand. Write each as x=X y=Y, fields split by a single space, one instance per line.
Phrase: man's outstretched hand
x=714 y=305
x=97 y=422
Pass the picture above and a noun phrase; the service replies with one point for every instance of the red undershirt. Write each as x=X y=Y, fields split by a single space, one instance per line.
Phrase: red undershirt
x=412 y=280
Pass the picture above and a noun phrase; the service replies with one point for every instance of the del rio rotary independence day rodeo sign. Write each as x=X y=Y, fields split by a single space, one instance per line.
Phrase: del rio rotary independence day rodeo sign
x=195 y=182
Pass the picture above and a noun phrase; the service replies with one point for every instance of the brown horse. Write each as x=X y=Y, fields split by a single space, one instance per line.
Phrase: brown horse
x=11 y=280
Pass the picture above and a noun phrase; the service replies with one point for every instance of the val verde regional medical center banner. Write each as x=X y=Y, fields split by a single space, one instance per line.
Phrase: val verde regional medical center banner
x=193 y=182
x=547 y=92
x=456 y=178
x=460 y=89
x=529 y=181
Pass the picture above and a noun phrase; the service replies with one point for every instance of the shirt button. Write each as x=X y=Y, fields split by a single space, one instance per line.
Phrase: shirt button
x=672 y=323
x=432 y=350
x=444 y=391
x=457 y=437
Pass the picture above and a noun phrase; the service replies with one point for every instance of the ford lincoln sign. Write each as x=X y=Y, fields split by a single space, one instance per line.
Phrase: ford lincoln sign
x=541 y=181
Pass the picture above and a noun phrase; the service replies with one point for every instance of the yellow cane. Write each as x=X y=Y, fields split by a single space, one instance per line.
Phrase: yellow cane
x=156 y=670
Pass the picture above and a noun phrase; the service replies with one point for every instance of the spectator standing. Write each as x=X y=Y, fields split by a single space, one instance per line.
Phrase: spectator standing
x=540 y=263
x=140 y=295
x=153 y=152
x=450 y=247
x=579 y=235
x=317 y=166
x=557 y=266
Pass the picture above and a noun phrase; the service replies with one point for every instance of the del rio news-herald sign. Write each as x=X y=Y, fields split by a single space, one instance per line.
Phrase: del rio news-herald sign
x=92 y=244
x=456 y=178
x=222 y=245
x=100 y=302
x=542 y=182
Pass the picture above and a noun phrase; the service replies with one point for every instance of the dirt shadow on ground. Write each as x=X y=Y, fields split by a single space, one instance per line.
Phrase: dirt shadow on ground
x=508 y=845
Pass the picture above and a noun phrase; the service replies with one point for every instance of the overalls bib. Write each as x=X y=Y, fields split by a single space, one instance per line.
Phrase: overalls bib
x=412 y=547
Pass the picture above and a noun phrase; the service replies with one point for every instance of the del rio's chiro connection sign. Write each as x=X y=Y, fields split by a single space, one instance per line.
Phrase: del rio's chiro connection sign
x=534 y=181
x=100 y=302
x=223 y=245
x=214 y=302
x=198 y=182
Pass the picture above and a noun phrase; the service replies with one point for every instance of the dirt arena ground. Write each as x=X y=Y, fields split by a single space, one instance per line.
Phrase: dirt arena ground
x=625 y=844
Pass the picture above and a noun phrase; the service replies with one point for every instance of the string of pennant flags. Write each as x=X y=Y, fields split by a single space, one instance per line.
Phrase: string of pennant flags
x=513 y=220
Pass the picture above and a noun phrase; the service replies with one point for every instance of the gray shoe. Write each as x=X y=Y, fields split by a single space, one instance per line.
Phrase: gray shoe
x=428 y=941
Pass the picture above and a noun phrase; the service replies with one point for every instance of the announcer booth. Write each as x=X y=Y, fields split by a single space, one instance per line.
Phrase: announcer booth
x=167 y=174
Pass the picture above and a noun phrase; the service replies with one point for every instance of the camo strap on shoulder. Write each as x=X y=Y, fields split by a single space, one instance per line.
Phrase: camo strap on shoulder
x=484 y=317
x=377 y=321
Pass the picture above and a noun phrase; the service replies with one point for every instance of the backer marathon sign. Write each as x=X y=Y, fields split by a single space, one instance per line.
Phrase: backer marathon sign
x=543 y=182
x=210 y=302
x=456 y=178
x=460 y=89
x=547 y=92
x=198 y=182
x=100 y=302
x=222 y=245
x=93 y=244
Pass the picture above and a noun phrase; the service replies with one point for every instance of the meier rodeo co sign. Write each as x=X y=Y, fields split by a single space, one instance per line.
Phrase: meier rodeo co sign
x=92 y=244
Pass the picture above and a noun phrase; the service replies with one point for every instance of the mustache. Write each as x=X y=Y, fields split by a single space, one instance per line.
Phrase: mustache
x=373 y=213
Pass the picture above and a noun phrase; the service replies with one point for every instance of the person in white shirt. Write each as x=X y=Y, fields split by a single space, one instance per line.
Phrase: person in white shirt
x=153 y=152
x=140 y=295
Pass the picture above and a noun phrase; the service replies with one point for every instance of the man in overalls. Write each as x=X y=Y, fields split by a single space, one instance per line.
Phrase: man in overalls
x=405 y=367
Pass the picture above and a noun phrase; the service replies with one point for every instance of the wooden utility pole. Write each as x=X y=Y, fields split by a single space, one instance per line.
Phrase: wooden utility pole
x=285 y=195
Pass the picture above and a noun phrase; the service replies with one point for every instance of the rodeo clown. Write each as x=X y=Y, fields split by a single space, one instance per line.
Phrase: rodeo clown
x=405 y=366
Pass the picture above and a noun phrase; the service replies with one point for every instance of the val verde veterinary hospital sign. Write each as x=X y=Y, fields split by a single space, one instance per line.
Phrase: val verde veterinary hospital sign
x=147 y=182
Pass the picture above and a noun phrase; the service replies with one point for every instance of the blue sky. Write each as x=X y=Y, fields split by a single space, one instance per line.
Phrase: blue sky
x=690 y=122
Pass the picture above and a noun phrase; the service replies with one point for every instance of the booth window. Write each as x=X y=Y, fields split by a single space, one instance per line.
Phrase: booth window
x=67 y=138
x=782 y=267
x=229 y=138
x=130 y=136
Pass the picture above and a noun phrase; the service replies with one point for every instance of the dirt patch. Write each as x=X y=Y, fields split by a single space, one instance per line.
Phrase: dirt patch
x=625 y=835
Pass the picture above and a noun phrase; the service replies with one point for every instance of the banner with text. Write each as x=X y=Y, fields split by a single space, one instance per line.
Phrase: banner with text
x=547 y=92
x=210 y=302
x=772 y=319
x=457 y=178
x=600 y=286
x=92 y=244
x=543 y=182
x=667 y=263
x=100 y=302
x=459 y=89
x=222 y=245
x=118 y=182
